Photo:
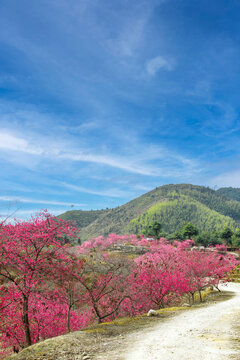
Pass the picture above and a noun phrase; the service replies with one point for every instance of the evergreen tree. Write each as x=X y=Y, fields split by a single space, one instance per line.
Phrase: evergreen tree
x=226 y=235
x=154 y=230
x=189 y=230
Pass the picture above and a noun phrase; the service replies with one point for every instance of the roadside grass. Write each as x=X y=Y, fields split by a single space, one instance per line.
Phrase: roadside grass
x=101 y=339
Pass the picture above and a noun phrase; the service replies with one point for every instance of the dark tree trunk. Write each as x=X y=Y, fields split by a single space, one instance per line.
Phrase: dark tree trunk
x=26 y=321
x=69 y=318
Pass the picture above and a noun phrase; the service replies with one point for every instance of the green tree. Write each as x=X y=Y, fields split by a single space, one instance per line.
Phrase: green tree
x=154 y=229
x=189 y=230
x=206 y=238
x=226 y=235
x=236 y=238
x=203 y=238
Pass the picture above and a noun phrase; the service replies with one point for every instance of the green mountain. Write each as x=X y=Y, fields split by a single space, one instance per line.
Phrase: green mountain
x=173 y=214
x=82 y=218
x=230 y=192
x=171 y=205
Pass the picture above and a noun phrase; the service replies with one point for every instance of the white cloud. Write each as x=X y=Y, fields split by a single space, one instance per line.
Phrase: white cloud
x=154 y=160
x=130 y=27
x=31 y=212
x=129 y=39
x=9 y=141
x=231 y=178
x=109 y=193
x=20 y=199
x=113 y=161
x=36 y=211
x=157 y=63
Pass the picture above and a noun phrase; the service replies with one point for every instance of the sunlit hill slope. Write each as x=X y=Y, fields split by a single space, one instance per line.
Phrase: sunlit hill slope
x=171 y=205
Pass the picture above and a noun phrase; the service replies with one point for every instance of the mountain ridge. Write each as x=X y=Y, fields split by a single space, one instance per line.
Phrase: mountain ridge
x=215 y=210
x=230 y=192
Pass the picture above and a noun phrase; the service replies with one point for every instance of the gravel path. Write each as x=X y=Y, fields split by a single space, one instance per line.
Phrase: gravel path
x=206 y=333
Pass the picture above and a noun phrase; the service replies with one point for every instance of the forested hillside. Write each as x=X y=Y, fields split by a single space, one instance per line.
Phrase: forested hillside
x=82 y=218
x=173 y=214
x=172 y=205
x=230 y=192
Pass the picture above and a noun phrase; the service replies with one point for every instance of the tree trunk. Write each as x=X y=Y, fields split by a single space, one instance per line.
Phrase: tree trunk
x=200 y=295
x=97 y=313
x=26 y=321
x=69 y=317
x=193 y=297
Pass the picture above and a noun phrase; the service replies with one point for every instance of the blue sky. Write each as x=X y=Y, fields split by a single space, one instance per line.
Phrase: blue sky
x=101 y=101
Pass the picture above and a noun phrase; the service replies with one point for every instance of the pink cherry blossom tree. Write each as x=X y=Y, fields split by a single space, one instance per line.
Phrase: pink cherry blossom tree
x=27 y=251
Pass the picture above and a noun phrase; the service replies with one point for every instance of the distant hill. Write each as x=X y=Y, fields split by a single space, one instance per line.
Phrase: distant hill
x=230 y=192
x=82 y=218
x=171 y=205
x=173 y=214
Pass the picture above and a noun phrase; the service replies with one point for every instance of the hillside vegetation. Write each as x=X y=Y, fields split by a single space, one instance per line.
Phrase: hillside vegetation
x=69 y=288
x=176 y=204
x=82 y=218
x=173 y=214
x=105 y=341
x=230 y=192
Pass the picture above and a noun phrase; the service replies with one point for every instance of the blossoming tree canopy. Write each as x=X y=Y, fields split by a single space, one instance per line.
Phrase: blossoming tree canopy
x=28 y=251
x=48 y=288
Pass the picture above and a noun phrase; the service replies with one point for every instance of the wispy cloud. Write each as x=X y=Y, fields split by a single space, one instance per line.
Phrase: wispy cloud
x=36 y=211
x=11 y=142
x=129 y=39
x=158 y=63
x=226 y=179
x=19 y=213
x=20 y=199
x=148 y=161
x=108 y=99
x=131 y=28
x=109 y=193
x=118 y=162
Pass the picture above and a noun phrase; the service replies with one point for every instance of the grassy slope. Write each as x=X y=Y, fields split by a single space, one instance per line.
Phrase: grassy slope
x=117 y=220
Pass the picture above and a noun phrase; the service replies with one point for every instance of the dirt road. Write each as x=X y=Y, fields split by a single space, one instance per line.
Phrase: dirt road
x=208 y=333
